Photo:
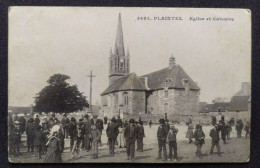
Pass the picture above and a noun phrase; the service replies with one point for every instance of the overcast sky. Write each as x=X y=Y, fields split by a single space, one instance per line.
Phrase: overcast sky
x=74 y=40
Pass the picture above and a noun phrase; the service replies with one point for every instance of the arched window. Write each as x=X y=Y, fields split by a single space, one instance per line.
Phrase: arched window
x=125 y=98
x=166 y=93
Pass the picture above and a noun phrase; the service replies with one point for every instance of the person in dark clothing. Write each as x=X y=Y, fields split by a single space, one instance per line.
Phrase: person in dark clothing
x=15 y=138
x=199 y=137
x=112 y=132
x=162 y=133
x=46 y=130
x=105 y=120
x=22 y=124
x=87 y=133
x=189 y=133
x=39 y=139
x=239 y=128
x=140 y=136
x=229 y=129
x=247 y=129
x=37 y=120
x=172 y=141
x=53 y=154
x=72 y=132
x=131 y=133
x=214 y=134
x=30 y=134
x=78 y=139
x=65 y=125
x=223 y=130
x=150 y=123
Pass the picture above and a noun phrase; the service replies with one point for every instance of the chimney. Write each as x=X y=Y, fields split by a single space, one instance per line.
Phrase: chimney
x=171 y=61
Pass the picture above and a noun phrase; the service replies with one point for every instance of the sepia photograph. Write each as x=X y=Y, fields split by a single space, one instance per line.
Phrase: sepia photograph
x=129 y=85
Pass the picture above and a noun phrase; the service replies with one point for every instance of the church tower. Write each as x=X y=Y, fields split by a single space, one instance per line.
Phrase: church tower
x=118 y=60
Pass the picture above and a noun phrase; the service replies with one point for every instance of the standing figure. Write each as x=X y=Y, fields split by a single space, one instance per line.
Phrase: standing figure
x=223 y=131
x=30 y=134
x=72 y=132
x=167 y=125
x=120 y=137
x=130 y=134
x=16 y=139
x=53 y=154
x=36 y=120
x=239 y=128
x=214 y=134
x=65 y=125
x=172 y=141
x=189 y=133
x=150 y=123
x=140 y=137
x=87 y=133
x=112 y=132
x=247 y=129
x=229 y=129
x=38 y=141
x=161 y=136
x=96 y=135
x=22 y=123
x=105 y=120
x=99 y=125
x=199 y=139
x=78 y=139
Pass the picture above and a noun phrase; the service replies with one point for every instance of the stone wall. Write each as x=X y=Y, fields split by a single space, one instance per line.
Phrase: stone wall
x=178 y=103
x=113 y=104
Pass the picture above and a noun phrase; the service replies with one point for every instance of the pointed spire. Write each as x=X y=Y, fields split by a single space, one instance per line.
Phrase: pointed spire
x=119 y=45
x=127 y=52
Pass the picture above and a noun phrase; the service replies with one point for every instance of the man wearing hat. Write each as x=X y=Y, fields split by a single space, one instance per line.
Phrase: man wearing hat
x=161 y=136
x=65 y=125
x=30 y=134
x=131 y=133
x=72 y=132
x=140 y=136
x=112 y=132
x=15 y=139
x=214 y=134
x=199 y=139
x=78 y=138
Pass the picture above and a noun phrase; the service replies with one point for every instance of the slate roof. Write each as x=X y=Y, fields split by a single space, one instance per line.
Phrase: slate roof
x=176 y=73
x=128 y=82
x=223 y=106
x=239 y=103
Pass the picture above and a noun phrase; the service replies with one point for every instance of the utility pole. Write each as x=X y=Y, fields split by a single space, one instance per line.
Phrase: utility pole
x=90 y=91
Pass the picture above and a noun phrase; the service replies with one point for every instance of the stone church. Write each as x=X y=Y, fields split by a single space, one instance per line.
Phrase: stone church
x=168 y=92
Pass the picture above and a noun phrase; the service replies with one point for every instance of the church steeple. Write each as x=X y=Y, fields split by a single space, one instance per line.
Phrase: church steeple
x=118 y=61
x=119 y=45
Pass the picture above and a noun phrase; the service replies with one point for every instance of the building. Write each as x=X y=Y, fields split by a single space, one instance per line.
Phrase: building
x=168 y=92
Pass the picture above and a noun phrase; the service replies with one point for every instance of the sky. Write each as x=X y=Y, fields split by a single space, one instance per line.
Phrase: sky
x=75 y=40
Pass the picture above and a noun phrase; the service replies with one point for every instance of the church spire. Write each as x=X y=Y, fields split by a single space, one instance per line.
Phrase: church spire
x=119 y=45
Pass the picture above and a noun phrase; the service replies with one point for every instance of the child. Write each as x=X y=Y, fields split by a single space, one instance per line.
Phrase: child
x=38 y=140
x=172 y=141
x=199 y=139
x=96 y=135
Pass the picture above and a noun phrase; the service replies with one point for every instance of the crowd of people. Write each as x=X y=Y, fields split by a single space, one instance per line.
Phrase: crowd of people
x=47 y=136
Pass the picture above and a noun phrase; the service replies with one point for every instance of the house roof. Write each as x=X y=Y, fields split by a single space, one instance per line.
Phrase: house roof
x=239 y=103
x=175 y=73
x=128 y=82
x=223 y=106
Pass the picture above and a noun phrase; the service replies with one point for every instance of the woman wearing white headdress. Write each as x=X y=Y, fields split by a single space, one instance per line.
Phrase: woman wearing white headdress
x=54 y=150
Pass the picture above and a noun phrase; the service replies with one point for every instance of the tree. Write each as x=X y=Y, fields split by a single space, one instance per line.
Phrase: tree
x=59 y=96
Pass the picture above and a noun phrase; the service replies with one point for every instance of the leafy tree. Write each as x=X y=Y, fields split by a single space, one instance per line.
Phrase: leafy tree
x=59 y=96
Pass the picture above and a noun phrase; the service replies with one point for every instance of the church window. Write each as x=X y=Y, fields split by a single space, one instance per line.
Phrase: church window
x=121 y=64
x=166 y=93
x=125 y=97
